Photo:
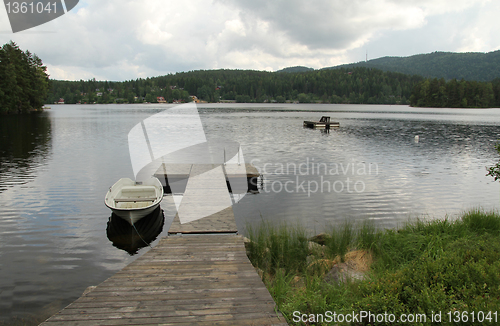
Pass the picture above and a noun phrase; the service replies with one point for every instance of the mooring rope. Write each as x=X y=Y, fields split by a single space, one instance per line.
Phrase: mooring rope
x=147 y=244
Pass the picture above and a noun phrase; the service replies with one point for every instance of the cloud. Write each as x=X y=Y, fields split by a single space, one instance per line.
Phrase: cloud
x=339 y=24
x=463 y=29
x=481 y=33
x=126 y=39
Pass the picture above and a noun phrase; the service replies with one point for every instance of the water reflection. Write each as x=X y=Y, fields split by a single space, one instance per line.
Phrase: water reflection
x=52 y=244
x=130 y=238
x=25 y=144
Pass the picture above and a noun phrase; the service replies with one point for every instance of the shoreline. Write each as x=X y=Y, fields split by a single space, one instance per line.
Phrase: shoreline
x=421 y=268
x=280 y=104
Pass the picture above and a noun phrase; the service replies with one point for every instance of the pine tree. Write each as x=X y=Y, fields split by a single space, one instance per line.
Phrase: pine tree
x=24 y=82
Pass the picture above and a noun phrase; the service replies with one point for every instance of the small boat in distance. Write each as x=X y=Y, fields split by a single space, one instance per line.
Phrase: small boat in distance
x=132 y=200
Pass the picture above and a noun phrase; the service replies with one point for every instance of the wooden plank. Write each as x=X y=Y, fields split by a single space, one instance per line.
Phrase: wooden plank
x=180 y=268
x=159 y=311
x=144 y=272
x=215 y=284
x=259 y=295
x=320 y=125
x=227 y=319
x=174 y=170
x=126 y=200
x=177 y=171
x=234 y=170
x=220 y=222
x=206 y=193
x=180 y=316
x=160 y=304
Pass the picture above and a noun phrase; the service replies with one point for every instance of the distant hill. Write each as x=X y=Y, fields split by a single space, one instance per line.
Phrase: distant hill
x=295 y=69
x=448 y=65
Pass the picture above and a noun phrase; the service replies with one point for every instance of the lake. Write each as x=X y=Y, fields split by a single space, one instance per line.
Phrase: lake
x=57 y=166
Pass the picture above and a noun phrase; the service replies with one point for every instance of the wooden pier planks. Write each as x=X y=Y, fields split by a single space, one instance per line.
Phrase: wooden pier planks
x=320 y=125
x=206 y=193
x=221 y=222
x=173 y=170
x=184 y=280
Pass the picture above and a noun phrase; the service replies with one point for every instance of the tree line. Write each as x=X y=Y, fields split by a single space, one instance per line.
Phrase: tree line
x=357 y=85
x=24 y=86
x=456 y=94
x=24 y=83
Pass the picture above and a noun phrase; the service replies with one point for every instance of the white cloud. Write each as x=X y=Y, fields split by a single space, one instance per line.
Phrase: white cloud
x=234 y=26
x=481 y=34
x=152 y=33
x=126 y=39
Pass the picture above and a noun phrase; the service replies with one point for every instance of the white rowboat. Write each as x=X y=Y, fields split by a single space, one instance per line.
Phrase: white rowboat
x=132 y=201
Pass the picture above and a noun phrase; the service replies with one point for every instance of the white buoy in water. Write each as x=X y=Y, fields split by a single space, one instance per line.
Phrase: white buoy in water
x=416 y=139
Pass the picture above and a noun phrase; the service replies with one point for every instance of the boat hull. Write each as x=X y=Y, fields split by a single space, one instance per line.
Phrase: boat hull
x=132 y=238
x=134 y=215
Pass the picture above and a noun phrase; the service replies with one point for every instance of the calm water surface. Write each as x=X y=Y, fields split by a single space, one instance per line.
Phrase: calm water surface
x=56 y=167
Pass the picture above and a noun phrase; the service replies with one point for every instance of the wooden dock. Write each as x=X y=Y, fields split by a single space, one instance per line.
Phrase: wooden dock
x=323 y=123
x=221 y=222
x=175 y=176
x=206 y=193
x=184 y=280
x=199 y=276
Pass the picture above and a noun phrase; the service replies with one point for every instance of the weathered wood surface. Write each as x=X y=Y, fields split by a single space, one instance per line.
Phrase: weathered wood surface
x=206 y=193
x=320 y=125
x=184 y=170
x=184 y=280
x=221 y=222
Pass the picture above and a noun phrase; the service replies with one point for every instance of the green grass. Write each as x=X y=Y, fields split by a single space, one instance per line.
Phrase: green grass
x=423 y=267
x=277 y=248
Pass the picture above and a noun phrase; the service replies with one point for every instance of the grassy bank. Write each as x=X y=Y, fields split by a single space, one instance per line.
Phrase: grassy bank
x=425 y=267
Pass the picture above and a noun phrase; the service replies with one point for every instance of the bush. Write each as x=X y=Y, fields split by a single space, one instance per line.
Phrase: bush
x=243 y=99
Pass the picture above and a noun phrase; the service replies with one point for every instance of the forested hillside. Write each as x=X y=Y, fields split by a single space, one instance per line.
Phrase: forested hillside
x=448 y=65
x=357 y=85
x=456 y=94
x=24 y=83
x=296 y=69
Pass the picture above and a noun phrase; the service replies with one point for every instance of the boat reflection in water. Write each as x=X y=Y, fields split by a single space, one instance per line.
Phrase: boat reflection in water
x=132 y=238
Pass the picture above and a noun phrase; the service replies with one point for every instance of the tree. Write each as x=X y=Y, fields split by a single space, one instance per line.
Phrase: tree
x=24 y=83
x=463 y=94
x=280 y=99
x=204 y=93
x=302 y=98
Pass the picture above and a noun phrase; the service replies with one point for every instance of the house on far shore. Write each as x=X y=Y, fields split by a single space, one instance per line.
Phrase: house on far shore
x=61 y=101
x=161 y=99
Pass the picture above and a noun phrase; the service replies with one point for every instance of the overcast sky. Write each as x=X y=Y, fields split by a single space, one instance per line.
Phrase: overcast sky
x=127 y=39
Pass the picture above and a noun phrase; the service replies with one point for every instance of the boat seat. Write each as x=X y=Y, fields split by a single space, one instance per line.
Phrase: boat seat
x=136 y=194
x=136 y=189
x=125 y=200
